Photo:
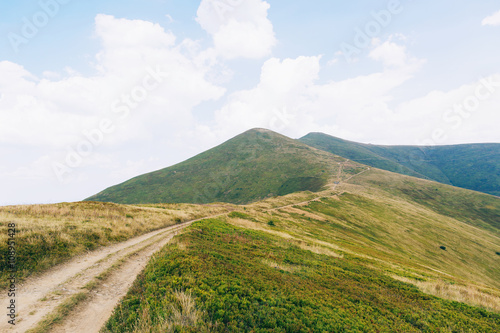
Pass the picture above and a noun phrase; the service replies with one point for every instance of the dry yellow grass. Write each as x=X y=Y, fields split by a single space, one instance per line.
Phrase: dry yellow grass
x=49 y=234
x=306 y=243
x=468 y=294
x=282 y=266
x=319 y=250
x=119 y=220
x=183 y=314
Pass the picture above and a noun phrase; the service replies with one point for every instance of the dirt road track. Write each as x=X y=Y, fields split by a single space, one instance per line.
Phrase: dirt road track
x=93 y=313
x=38 y=297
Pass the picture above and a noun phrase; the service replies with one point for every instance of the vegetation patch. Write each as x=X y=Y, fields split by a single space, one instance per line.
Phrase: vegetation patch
x=235 y=289
x=298 y=184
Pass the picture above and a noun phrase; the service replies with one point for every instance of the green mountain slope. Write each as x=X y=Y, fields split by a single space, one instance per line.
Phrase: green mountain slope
x=252 y=166
x=475 y=166
x=379 y=252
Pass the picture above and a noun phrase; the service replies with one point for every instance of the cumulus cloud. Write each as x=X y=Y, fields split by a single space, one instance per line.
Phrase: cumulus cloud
x=239 y=28
x=453 y=116
x=144 y=87
x=493 y=19
x=391 y=54
x=290 y=98
x=54 y=111
x=283 y=84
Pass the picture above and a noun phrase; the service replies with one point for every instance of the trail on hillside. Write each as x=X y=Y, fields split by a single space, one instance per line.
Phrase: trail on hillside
x=40 y=296
x=334 y=187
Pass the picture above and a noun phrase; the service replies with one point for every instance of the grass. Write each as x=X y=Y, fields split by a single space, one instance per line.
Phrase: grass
x=48 y=235
x=386 y=228
x=184 y=314
x=470 y=207
x=471 y=295
x=59 y=313
x=238 y=284
x=367 y=259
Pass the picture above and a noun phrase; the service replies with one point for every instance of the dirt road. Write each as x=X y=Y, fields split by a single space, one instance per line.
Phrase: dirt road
x=40 y=296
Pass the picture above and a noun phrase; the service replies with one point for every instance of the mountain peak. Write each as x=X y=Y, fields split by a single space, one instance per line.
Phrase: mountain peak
x=260 y=130
x=254 y=165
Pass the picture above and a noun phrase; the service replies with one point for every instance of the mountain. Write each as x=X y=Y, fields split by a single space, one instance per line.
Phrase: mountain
x=471 y=166
x=252 y=166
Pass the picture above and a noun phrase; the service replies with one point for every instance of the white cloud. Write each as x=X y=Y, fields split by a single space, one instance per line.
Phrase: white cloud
x=283 y=84
x=460 y=115
x=492 y=19
x=54 y=111
x=44 y=118
x=291 y=100
x=289 y=97
x=37 y=170
x=390 y=53
x=239 y=28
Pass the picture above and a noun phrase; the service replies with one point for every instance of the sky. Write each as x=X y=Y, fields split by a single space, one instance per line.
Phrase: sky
x=93 y=93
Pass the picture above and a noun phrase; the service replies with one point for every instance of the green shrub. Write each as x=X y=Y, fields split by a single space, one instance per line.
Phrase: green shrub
x=231 y=274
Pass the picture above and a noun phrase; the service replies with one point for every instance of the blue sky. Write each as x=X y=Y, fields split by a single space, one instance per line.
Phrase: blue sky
x=427 y=73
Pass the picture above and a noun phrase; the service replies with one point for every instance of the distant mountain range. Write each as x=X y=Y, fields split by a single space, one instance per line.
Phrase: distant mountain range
x=259 y=164
x=471 y=166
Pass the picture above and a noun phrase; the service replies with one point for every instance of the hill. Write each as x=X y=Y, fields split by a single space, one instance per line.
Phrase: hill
x=379 y=252
x=474 y=166
x=250 y=167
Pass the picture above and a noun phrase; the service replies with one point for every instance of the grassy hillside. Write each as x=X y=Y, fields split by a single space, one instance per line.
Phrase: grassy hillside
x=373 y=254
x=222 y=278
x=47 y=235
x=250 y=167
x=475 y=166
